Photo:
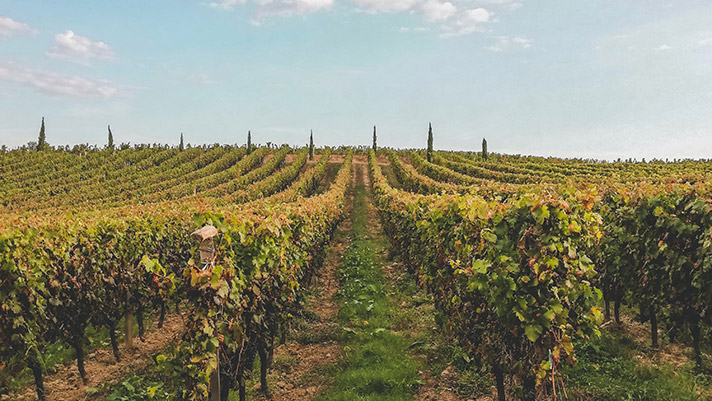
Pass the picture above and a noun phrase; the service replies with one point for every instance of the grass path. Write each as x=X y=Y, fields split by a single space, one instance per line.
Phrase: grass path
x=376 y=365
x=367 y=331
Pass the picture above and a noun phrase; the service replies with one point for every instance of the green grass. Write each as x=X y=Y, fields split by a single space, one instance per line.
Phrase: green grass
x=329 y=175
x=138 y=388
x=303 y=330
x=608 y=369
x=376 y=365
x=435 y=349
x=387 y=171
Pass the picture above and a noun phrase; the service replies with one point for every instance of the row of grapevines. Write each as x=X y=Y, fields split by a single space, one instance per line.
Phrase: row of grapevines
x=63 y=275
x=215 y=174
x=511 y=168
x=90 y=176
x=56 y=281
x=47 y=178
x=511 y=279
x=184 y=179
x=107 y=186
x=306 y=185
x=659 y=171
x=276 y=183
x=218 y=187
x=413 y=181
x=264 y=258
x=128 y=206
x=273 y=183
x=145 y=183
x=42 y=166
x=657 y=253
x=440 y=173
x=473 y=170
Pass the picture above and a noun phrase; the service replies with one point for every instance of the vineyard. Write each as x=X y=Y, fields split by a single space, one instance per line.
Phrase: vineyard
x=522 y=263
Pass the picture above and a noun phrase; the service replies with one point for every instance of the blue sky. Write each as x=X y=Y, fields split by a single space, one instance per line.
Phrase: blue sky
x=602 y=79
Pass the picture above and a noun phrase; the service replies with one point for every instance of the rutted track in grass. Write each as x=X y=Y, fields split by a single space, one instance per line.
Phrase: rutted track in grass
x=376 y=364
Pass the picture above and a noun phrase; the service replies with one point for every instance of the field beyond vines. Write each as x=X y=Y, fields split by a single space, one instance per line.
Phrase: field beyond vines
x=239 y=272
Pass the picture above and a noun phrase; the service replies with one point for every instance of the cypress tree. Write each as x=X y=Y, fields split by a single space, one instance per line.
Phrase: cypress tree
x=249 y=142
x=111 y=140
x=374 y=139
x=429 y=152
x=311 y=145
x=42 y=140
x=484 y=149
x=180 y=146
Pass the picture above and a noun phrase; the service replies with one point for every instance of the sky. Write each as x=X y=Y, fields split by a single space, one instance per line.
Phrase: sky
x=570 y=78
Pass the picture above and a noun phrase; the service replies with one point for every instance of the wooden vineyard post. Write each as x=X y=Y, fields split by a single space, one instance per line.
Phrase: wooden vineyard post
x=128 y=324
x=215 y=380
x=207 y=259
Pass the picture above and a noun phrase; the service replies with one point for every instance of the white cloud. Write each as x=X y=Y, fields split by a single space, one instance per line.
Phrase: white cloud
x=705 y=42
x=385 y=6
x=59 y=84
x=406 y=29
x=79 y=49
x=507 y=5
x=441 y=10
x=663 y=47
x=514 y=5
x=467 y=22
x=308 y=6
x=506 y=43
x=454 y=17
x=226 y=4
x=266 y=8
x=436 y=10
x=10 y=28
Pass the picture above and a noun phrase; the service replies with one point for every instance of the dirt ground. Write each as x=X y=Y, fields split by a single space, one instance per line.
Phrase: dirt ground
x=102 y=368
x=334 y=158
x=298 y=368
x=310 y=163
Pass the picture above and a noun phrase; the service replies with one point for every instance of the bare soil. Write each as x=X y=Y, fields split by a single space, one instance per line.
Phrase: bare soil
x=383 y=160
x=298 y=371
x=675 y=354
x=333 y=158
x=443 y=388
x=101 y=367
x=310 y=163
